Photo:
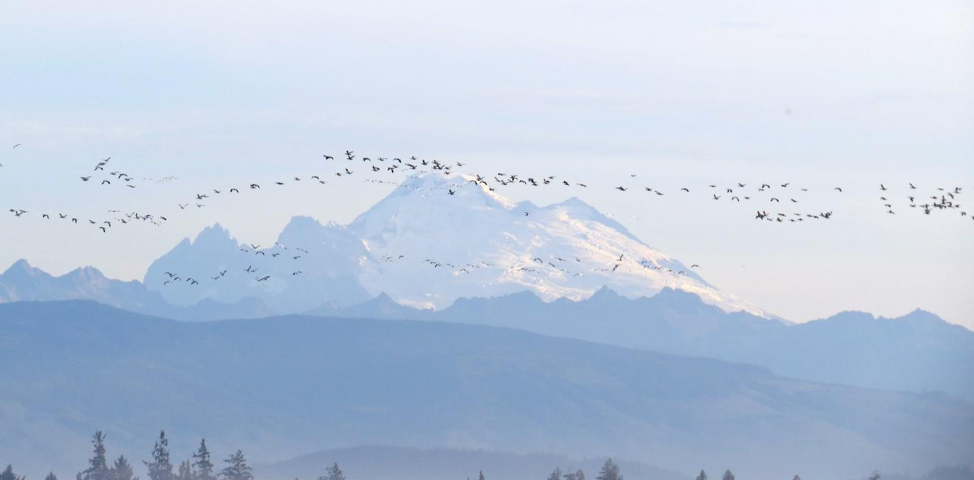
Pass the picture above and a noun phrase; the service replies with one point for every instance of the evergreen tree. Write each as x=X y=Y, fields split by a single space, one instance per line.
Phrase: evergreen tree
x=610 y=471
x=98 y=465
x=555 y=475
x=237 y=468
x=875 y=475
x=185 y=471
x=50 y=476
x=576 y=475
x=122 y=470
x=702 y=476
x=482 y=475
x=8 y=474
x=160 y=468
x=202 y=463
x=797 y=478
x=728 y=475
x=335 y=473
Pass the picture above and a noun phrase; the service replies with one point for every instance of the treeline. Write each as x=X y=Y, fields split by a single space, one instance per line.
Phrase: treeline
x=610 y=471
x=199 y=467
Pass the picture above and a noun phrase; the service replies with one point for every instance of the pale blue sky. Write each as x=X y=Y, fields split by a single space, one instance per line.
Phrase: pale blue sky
x=679 y=93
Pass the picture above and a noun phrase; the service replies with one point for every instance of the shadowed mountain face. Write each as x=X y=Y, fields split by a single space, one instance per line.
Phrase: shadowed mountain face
x=401 y=463
x=916 y=352
x=310 y=264
x=22 y=282
x=282 y=386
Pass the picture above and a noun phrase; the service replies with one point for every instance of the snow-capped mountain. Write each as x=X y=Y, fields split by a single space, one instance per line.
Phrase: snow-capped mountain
x=432 y=246
x=432 y=240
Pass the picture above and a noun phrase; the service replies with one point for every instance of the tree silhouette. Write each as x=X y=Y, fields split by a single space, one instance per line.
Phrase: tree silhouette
x=610 y=471
x=185 y=471
x=202 y=463
x=160 y=468
x=237 y=468
x=98 y=465
x=334 y=473
x=8 y=474
x=122 y=470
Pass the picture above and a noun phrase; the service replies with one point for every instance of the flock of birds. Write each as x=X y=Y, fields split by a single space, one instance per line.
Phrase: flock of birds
x=350 y=165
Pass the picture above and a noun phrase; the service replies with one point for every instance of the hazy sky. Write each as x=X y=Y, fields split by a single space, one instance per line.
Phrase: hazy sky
x=817 y=93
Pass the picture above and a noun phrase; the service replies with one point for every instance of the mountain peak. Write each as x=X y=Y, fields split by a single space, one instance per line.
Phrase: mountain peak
x=604 y=294
x=20 y=266
x=215 y=234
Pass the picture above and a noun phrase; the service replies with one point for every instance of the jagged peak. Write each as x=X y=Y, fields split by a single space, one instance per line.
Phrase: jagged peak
x=21 y=265
x=215 y=232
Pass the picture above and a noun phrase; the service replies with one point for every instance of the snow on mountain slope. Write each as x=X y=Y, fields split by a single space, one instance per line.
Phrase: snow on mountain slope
x=430 y=247
x=425 y=247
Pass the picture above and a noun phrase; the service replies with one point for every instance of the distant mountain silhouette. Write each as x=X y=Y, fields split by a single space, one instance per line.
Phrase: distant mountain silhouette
x=22 y=282
x=916 y=352
x=281 y=386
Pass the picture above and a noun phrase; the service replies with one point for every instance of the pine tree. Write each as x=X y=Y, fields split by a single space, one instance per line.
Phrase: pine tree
x=728 y=475
x=98 y=465
x=50 y=476
x=335 y=473
x=555 y=475
x=610 y=471
x=576 y=475
x=185 y=471
x=8 y=474
x=202 y=463
x=160 y=468
x=237 y=468
x=482 y=475
x=797 y=478
x=702 y=476
x=875 y=476
x=122 y=470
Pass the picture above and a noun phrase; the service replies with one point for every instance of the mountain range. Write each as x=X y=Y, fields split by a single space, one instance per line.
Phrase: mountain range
x=917 y=352
x=432 y=240
x=282 y=386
